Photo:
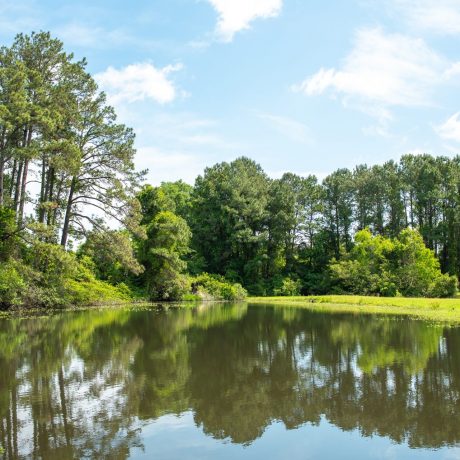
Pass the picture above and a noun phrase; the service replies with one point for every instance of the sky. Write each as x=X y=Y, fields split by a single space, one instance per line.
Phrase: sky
x=306 y=86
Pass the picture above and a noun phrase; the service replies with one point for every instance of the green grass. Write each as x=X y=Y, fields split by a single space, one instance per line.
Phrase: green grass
x=444 y=310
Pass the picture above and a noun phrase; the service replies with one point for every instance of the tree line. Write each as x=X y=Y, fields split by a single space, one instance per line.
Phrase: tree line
x=78 y=224
x=286 y=236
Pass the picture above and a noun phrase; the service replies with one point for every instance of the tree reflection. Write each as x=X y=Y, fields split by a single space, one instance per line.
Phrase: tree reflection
x=82 y=384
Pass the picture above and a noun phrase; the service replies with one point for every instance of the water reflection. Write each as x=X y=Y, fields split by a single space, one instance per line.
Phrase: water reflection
x=84 y=384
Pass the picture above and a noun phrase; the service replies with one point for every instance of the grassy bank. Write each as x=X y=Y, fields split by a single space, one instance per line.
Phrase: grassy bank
x=446 y=310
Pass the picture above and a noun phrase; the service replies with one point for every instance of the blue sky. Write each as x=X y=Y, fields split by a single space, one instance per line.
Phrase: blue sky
x=298 y=85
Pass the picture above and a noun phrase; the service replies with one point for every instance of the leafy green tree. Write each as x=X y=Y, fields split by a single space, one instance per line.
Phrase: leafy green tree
x=113 y=255
x=162 y=253
x=418 y=270
x=404 y=266
x=103 y=178
x=229 y=221
x=9 y=240
x=366 y=268
x=338 y=208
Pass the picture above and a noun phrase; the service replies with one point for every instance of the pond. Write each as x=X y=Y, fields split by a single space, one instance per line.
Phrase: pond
x=228 y=381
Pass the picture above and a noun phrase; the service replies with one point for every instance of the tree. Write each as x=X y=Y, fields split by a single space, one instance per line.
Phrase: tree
x=383 y=266
x=167 y=242
x=103 y=177
x=229 y=220
x=112 y=253
x=338 y=207
x=418 y=270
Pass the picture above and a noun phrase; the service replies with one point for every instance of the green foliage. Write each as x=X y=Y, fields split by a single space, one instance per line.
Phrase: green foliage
x=53 y=277
x=169 y=196
x=229 y=220
x=288 y=287
x=112 y=255
x=444 y=286
x=96 y=292
x=401 y=266
x=12 y=285
x=162 y=253
x=8 y=233
x=216 y=287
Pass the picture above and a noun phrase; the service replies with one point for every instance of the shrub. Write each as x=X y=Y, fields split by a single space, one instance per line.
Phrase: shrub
x=12 y=285
x=217 y=288
x=390 y=267
x=288 y=287
x=96 y=292
x=167 y=284
x=444 y=286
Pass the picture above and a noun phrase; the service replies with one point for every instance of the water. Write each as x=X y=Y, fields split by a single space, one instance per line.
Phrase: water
x=224 y=382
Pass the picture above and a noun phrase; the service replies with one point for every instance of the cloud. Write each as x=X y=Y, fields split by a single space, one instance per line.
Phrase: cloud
x=292 y=129
x=236 y=15
x=450 y=129
x=452 y=71
x=138 y=82
x=437 y=16
x=382 y=70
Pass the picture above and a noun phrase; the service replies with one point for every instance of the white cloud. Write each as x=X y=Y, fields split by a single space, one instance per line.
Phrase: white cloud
x=450 y=129
x=382 y=70
x=292 y=129
x=138 y=82
x=236 y=15
x=438 y=16
x=452 y=71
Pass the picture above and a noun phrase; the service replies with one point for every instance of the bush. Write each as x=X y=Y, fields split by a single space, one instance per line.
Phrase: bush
x=167 y=284
x=444 y=286
x=96 y=292
x=217 y=288
x=8 y=233
x=288 y=287
x=12 y=285
x=391 y=267
x=54 y=278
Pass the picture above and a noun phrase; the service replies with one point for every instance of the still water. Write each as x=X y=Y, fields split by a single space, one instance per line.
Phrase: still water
x=228 y=381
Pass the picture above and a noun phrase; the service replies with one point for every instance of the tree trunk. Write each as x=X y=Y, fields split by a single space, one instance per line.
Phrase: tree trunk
x=23 y=193
x=18 y=186
x=50 y=194
x=2 y=169
x=27 y=141
x=68 y=212
x=43 y=185
x=13 y=176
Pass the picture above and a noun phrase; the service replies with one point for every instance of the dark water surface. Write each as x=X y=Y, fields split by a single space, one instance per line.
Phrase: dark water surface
x=223 y=382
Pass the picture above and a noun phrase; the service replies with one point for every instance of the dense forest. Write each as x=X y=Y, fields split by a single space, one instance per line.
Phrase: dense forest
x=78 y=224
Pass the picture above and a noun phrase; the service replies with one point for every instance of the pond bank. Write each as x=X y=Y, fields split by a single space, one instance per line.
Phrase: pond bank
x=445 y=310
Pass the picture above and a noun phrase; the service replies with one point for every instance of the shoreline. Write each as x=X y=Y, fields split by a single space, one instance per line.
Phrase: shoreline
x=438 y=310
x=431 y=309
